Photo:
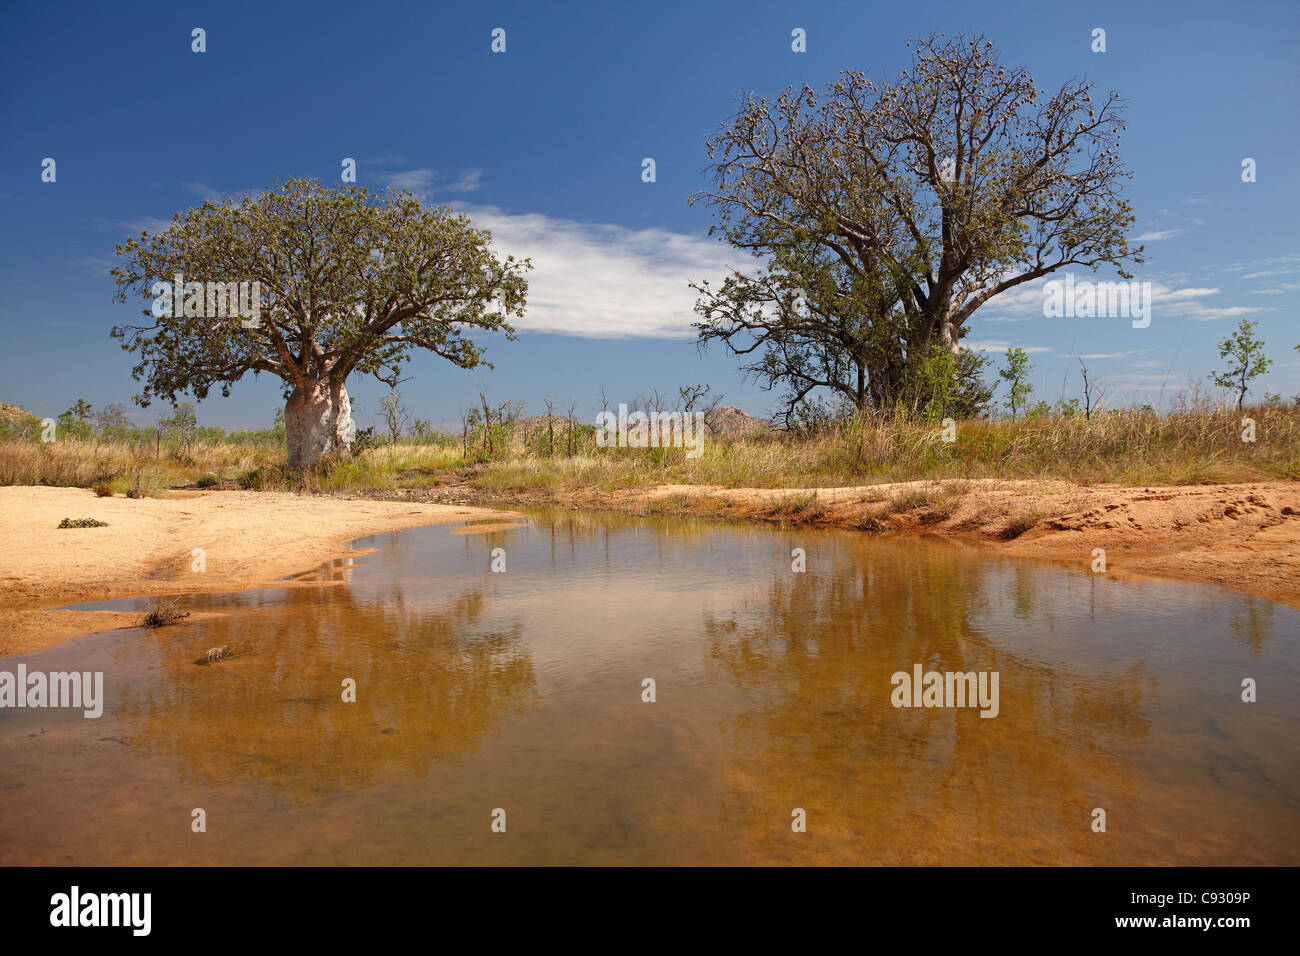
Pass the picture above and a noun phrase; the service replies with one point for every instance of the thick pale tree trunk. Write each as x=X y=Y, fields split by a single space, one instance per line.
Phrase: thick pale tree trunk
x=317 y=421
x=949 y=334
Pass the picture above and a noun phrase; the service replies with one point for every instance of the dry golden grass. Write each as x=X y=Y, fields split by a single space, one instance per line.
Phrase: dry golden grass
x=84 y=463
x=1200 y=446
x=1132 y=447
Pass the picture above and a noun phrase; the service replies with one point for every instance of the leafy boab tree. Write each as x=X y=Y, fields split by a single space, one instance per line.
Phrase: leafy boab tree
x=347 y=281
x=925 y=198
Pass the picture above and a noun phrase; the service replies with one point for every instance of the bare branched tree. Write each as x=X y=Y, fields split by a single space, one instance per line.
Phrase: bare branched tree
x=394 y=412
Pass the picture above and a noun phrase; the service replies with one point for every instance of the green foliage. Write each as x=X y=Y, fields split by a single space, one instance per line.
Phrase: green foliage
x=82 y=523
x=366 y=438
x=25 y=427
x=1246 y=360
x=1016 y=375
x=872 y=248
x=945 y=385
x=346 y=281
x=354 y=281
x=74 y=423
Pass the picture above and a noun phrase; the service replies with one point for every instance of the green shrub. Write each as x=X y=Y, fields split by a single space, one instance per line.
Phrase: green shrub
x=82 y=523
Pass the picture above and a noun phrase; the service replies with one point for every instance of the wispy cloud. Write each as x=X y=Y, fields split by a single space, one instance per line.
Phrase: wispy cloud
x=1156 y=236
x=417 y=181
x=97 y=266
x=424 y=184
x=606 y=281
x=204 y=192
x=1163 y=293
x=1270 y=272
x=1198 y=312
x=466 y=182
x=1167 y=302
x=145 y=224
x=993 y=345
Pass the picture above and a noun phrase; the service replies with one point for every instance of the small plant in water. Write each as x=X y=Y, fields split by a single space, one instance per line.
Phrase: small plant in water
x=214 y=654
x=165 y=611
x=82 y=523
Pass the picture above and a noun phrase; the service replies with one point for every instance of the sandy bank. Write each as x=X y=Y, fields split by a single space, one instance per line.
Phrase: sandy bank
x=248 y=540
x=1243 y=536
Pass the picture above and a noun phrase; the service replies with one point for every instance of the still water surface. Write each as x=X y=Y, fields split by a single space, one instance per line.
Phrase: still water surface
x=523 y=691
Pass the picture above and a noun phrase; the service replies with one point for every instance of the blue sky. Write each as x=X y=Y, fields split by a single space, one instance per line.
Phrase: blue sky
x=543 y=144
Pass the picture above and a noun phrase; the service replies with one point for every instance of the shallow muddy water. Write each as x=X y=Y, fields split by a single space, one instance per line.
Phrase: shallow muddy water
x=523 y=691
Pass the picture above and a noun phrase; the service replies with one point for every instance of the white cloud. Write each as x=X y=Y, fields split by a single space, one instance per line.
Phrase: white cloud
x=1270 y=272
x=418 y=181
x=987 y=345
x=145 y=224
x=1204 y=313
x=1163 y=293
x=1020 y=304
x=424 y=186
x=206 y=193
x=466 y=182
x=1157 y=236
x=607 y=281
x=1167 y=302
x=1171 y=303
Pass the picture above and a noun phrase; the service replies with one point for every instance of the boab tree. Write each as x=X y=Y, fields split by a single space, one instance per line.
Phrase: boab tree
x=342 y=281
x=893 y=213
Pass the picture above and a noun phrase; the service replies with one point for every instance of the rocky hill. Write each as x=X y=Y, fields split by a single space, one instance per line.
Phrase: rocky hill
x=735 y=422
x=10 y=413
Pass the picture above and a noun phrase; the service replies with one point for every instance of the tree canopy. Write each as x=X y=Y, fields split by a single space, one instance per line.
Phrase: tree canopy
x=346 y=281
x=894 y=212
